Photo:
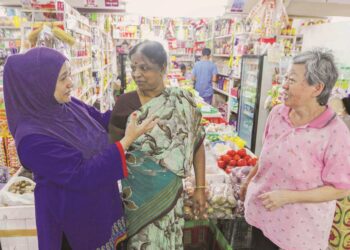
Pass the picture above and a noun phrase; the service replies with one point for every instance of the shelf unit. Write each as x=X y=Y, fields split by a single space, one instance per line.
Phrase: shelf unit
x=104 y=69
x=226 y=31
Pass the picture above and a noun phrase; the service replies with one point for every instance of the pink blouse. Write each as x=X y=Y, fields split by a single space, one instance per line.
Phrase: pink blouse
x=299 y=158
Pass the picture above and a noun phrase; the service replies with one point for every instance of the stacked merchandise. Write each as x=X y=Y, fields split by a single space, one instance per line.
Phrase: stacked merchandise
x=10 y=32
x=103 y=55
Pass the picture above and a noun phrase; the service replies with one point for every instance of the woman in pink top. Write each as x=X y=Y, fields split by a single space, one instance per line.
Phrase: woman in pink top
x=304 y=163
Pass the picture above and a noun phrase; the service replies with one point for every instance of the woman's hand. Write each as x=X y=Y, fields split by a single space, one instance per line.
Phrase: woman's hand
x=243 y=191
x=276 y=199
x=134 y=130
x=199 y=203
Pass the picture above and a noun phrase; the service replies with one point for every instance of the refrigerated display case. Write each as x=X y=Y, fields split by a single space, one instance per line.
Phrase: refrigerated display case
x=256 y=80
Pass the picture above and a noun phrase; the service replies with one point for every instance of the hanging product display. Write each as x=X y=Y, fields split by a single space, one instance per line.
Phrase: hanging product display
x=267 y=17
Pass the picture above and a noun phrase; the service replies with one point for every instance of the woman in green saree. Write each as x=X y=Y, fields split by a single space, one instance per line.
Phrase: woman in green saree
x=159 y=160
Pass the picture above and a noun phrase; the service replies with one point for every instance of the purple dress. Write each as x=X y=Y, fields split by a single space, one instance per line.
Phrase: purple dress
x=77 y=196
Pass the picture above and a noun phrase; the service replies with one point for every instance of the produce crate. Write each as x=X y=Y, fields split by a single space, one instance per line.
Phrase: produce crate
x=17 y=228
x=237 y=232
x=203 y=235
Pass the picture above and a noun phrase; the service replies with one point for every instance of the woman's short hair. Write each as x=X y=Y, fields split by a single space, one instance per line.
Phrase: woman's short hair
x=320 y=68
x=153 y=50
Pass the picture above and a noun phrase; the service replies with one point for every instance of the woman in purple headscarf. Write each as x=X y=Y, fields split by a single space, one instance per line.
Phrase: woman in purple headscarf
x=65 y=143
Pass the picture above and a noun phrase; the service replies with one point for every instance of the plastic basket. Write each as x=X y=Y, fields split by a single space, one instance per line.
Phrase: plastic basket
x=237 y=232
x=203 y=235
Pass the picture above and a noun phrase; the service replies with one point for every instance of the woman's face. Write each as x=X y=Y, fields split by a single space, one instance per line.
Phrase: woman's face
x=297 y=92
x=64 y=84
x=147 y=75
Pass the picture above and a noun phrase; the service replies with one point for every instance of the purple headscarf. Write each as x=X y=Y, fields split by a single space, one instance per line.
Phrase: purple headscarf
x=31 y=108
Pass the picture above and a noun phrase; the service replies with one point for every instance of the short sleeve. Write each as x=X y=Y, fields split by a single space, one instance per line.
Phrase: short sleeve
x=268 y=122
x=194 y=70
x=336 y=170
x=215 y=70
x=125 y=105
x=119 y=117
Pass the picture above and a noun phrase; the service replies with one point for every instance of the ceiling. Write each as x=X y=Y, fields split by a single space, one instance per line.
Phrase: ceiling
x=303 y=8
x=310 y=8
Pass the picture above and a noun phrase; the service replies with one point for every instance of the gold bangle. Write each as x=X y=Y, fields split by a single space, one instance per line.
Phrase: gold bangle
x=200 y=187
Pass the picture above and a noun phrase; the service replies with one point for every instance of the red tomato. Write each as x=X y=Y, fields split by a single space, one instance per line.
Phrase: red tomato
x=228 y=170
x=242 y=163
x=226 y=158
x=242 y=152
x=221 y=164
x=247 y=158
x=249 y=162
x=236 y=157
x=231 y=153
x=232 y=163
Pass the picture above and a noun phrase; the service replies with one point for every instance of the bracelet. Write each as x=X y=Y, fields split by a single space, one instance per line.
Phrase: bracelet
x=201 y=187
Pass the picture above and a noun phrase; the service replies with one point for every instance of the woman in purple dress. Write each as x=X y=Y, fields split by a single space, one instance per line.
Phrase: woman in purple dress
x=65 y=143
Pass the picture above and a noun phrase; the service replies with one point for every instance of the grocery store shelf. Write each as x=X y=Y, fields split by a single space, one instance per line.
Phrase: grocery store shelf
x=83 y=21
x=222 y=55
x=222 y=74
x=236 y=77
x=221 y=91
x=85 y=91
x=41 y=11
x=91 y=100
x=250 y=115
x=127 y=38
x=107 y=85
x=82 y=69
x=178 y=54
x=79 y=57
x=106 y=66
x=82 y=32
x=250 y=104
x=10 y=27
x=222 y=37
x=286 y=37
x=185 y=60
x=9 y=39
x=205 y=40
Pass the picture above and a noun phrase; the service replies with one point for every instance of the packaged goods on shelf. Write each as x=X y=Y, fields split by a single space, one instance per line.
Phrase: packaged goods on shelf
x=3 y=159
x=11 y=153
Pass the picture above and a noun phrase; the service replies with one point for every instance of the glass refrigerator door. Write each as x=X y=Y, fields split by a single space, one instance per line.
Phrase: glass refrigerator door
x=248 y=99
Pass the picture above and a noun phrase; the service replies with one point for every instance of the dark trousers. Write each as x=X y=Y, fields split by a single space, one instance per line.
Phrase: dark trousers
x=260 y=242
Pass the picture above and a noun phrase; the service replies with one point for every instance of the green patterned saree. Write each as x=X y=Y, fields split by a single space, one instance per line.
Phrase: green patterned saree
x=157 y=163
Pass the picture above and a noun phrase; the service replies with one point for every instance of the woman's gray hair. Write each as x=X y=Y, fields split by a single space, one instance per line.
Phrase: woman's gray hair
x=320 y=68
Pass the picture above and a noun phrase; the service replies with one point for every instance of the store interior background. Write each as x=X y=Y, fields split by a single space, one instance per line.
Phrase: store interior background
x=104 y=31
